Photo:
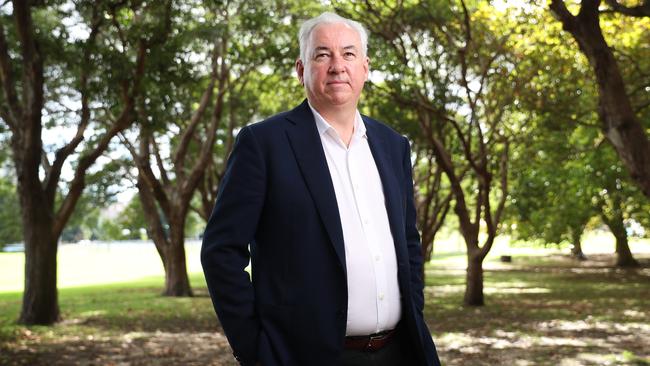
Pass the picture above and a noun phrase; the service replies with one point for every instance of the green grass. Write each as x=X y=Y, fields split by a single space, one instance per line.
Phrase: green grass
x=541 y=309
x=136 y=305
x=102 y=316
x=80 y=265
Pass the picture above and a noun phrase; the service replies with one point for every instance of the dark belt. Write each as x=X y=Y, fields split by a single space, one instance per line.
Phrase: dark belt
x=373 y=342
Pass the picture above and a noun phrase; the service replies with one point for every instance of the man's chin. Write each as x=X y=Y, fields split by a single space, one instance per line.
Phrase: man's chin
x=342 y=98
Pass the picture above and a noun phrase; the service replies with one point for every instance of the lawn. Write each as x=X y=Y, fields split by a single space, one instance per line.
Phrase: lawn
x=542 y=309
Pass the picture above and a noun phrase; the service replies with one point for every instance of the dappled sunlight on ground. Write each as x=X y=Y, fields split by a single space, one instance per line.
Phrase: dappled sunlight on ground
x=557 y=342
x=449 y=289
x=132 y=348
x=466 y=343
x=589 y=324
x=442 y=290
x=515 y=290
x=542 y=310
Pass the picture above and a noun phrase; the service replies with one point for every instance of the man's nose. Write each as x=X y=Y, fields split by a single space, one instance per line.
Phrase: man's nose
x=337 y=64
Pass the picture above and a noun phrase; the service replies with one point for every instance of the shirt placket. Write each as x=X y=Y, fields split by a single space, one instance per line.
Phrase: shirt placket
x=358 y=172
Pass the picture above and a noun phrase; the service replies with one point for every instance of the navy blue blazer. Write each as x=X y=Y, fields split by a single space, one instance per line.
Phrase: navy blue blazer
x=277 y=207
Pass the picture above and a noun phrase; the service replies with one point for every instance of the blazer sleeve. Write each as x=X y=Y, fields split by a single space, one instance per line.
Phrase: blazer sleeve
x=412 y=235
x=225 y=248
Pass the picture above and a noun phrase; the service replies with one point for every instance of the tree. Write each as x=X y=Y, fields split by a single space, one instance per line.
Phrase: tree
x=103 y=183
x=432 y=192
x=432 y=199
x=448 y=59
x=618 y=118
x=565 y=175
x=550 y=197
x=236 y=38
x=616 y=202
x=54 y=67
x=257 y=96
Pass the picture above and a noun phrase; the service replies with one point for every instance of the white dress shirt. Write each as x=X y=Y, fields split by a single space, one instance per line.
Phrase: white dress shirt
x=373 y=292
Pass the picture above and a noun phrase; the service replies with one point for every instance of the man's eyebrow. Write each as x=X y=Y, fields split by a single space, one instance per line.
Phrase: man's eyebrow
x=325 y=48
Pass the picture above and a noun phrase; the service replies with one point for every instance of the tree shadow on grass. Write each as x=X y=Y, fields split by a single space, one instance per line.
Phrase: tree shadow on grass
x=551 y=314
x=117 y=324
x=132 y=348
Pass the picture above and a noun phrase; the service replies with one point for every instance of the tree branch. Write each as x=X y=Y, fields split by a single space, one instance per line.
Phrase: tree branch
x=155 y=228
x=641 y=11
x=558 y=7
x=45 y=162
x=126 y=118
x=206 y=150
x=504 y=183
x=13 y=114
x=145 y=174
x=53 y=175
x=186 y=137
x=159 y=163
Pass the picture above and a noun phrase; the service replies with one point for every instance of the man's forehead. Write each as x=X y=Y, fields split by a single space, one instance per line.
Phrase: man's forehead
x=328 y=32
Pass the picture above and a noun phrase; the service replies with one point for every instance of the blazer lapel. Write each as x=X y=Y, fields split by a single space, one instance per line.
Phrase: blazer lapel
x=384 y=162
x=308 y=149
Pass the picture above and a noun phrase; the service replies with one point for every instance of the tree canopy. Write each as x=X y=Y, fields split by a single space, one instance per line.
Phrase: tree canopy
x=530 y=119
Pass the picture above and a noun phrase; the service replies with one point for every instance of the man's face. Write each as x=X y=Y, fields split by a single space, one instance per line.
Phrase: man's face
x=336 y=68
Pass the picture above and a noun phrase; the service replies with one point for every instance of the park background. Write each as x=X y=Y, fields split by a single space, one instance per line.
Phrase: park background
x=529 y=128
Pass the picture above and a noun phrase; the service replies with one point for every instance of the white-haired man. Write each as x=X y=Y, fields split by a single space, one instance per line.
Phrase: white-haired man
x=320 y=200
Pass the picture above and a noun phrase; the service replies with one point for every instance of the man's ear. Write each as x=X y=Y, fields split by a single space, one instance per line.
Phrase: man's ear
x=300 y=70
x=366 y=67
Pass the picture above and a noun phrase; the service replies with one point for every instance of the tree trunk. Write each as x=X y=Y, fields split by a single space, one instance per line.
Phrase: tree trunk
x=576 y=249
x=40 y=300
x=177 y=282
x=624 y=256
x=616 y=225
x=474 y=280
x=427 y=249
x=170 y=242
x=619 y=122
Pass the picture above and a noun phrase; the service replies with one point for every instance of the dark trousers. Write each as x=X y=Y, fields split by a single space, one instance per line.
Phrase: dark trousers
x=398 y=352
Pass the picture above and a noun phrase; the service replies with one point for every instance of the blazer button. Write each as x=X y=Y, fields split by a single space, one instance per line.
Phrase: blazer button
x=340 y=314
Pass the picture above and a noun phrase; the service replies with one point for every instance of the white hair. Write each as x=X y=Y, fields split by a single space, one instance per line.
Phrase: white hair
x=307 y=28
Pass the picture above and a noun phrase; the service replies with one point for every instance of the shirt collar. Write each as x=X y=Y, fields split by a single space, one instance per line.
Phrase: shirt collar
x=324 y=126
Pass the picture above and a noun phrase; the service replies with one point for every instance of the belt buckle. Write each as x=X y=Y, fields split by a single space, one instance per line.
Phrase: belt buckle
x=371 y=338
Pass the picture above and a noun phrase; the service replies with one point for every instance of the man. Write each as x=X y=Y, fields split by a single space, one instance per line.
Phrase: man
x=320 y=199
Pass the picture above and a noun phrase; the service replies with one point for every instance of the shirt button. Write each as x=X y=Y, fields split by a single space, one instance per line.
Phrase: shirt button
x=381 y=296
x=377 y=258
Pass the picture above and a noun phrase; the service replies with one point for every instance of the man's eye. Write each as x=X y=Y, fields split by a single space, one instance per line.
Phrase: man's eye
x=320 y=56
